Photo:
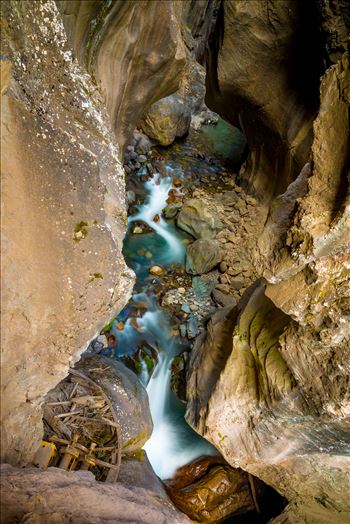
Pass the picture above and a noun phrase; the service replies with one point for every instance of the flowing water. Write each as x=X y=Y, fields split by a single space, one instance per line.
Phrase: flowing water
x=145 y=325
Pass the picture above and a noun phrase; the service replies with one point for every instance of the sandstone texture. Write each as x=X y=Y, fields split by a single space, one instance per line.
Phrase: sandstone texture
x=56 y=496
x=63 y=218
x=133 y=62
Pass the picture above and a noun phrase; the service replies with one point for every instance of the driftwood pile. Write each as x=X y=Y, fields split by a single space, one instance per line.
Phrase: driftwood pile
x=79 y=406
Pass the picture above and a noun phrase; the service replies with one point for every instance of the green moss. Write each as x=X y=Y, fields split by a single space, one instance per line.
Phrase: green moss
x=80 y=231
x=109 y=326
x=140 y=438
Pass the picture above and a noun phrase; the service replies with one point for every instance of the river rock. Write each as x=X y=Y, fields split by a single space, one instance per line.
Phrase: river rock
x=196 y=219
x=192 y=328
x=143 y=145
x=156 y=270
x=202 y=256
x=222 y=491
x=167 y=119
x=171 y=211
x=137 y=230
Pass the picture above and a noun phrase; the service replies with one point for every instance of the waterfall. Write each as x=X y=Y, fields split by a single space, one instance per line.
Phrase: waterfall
x=173 y=443
x=157 y=194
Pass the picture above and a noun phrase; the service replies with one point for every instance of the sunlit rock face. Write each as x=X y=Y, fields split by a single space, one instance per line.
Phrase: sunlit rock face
x=269 y=381
x=63 y=220
x=133 y=49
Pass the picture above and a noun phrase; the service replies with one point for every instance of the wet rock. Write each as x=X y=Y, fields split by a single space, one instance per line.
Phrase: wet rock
x=143 y=145
x=218 y=493
x=178 y=376
x=202 y=256
x=171 y=211
x=183 y=330
x=142 y=159
x=156 y=270
x=192 y=328
x=177 y=182
x=196 y=219
x=137 y=230
x=167 y=119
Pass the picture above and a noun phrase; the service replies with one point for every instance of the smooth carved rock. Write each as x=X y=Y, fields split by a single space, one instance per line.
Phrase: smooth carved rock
x=262 y=76
x=63 y=497
x=125 y=392
x=202 y=256
x=166 y=120
x=196 y=219
x=135 y=67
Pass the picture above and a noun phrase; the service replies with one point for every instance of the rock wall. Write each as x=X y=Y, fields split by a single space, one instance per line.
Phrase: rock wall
x=268 y=383
x=263 y=64
x=63 y=218
x=133 y=49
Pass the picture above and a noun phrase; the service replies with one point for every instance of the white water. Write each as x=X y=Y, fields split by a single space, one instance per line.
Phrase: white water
x=158 y=189
x=173 y=443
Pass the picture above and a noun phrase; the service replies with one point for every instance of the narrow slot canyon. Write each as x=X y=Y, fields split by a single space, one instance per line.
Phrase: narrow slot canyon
x=175 y=261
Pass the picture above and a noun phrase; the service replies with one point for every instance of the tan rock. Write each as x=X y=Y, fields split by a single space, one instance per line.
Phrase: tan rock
x=156 y=270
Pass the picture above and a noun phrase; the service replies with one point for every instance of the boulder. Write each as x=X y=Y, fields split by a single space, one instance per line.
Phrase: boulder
x=197 y=220
x=167 y=119
x=202 y=256
x=127 y=395
x=210 y=490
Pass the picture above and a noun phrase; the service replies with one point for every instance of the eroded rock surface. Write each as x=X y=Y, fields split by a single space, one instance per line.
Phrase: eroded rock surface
x=135 y=63
x=54 y=495
x=63 y=219
x=268 y=382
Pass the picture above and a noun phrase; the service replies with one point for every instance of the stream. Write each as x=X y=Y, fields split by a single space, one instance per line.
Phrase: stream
x=143 y=325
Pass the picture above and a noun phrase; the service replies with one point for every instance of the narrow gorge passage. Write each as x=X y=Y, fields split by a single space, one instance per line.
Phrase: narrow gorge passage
x=144 y=325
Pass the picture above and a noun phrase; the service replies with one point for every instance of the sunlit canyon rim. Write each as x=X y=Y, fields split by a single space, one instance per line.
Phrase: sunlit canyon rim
x=175 y=261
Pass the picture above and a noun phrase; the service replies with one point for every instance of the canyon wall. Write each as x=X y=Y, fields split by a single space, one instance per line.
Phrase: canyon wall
x=64 y=216
x=133 y=50
x=268 y=383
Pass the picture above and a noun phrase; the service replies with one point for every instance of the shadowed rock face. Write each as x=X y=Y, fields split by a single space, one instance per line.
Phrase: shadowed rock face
x=263 y=66
x=133 y=50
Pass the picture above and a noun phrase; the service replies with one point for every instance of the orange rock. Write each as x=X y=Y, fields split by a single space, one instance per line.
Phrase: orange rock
x=156 y=218
x=177 y=182
x=156 y=270
x=120 y=326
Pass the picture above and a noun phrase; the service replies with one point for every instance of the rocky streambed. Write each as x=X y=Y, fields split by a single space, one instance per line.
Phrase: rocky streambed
x=183 y=242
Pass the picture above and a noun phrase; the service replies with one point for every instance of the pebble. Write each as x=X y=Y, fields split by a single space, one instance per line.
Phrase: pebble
x=156 y=270
x=137 y=230
x=193 y=307
x=185 y=308
x=142 y=159
x=181 y=290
